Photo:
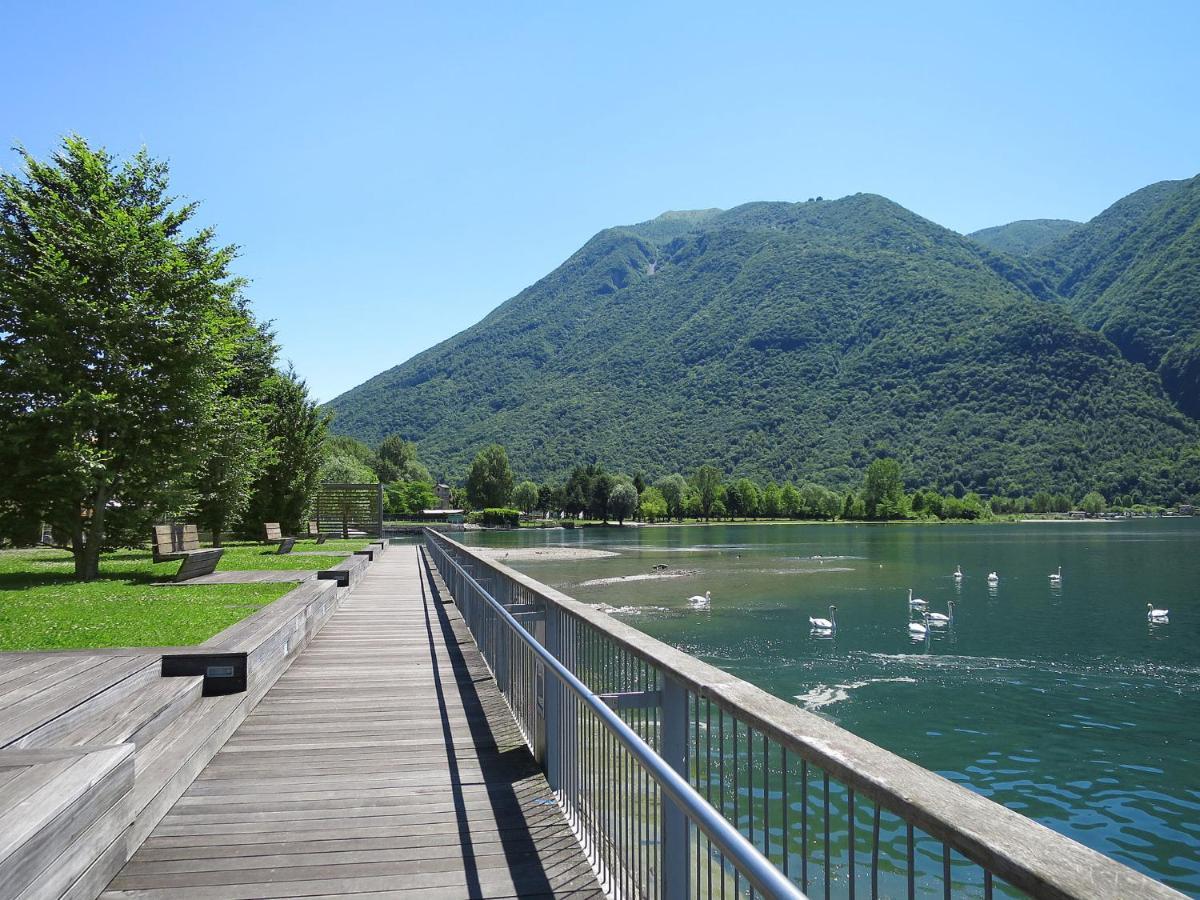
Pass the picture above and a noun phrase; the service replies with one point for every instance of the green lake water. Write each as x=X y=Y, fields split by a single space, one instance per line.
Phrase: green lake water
x=1061 y=702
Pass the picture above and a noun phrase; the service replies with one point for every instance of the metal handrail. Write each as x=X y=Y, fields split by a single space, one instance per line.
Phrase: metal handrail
x=1003 y=843
x=746 y=858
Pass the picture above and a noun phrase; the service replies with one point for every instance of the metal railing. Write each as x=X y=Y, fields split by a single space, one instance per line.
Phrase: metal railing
x=648 y=749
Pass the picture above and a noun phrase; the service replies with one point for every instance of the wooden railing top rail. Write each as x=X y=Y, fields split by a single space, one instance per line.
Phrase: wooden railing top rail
x=1026 y=854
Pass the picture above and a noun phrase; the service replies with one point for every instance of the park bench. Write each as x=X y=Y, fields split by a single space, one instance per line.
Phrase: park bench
x=275 y=536
x=314 y=531
x=173 y=542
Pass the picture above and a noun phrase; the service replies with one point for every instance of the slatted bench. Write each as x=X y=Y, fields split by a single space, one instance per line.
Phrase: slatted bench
x=275 y=536
x=173 y=542
x=314 y=531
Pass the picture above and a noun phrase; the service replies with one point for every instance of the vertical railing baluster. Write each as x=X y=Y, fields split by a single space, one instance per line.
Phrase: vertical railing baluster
x=804 y=825
x=946 y=889
x=787 y=813
x=850 y=836
x=875 y=855
x=912 y=876
x=825 y=776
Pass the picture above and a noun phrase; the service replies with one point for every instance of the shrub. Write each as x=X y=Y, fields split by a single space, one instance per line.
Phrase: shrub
x=496 y=515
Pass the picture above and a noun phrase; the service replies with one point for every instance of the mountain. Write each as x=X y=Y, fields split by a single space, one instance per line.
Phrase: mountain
x=787 y=340
x=1133 y=274
x=1024 y=238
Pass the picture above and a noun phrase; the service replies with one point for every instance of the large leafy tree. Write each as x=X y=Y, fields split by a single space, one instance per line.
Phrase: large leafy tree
x=396 y=460
x=118 y=322
x=490 y=480
x=706 y=481
x=883 y=490
x=237 y=447
x=296 y=431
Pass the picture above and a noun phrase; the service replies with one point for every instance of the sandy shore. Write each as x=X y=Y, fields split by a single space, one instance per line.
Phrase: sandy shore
x=649 y=576
x=525 y=554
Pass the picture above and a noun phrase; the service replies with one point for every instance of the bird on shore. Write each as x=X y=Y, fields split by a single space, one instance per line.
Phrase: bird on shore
x=935 y=618
x=825 y=624
x=697 y=600
x=915 y=603
x=1056 y=577
x=1156 y=615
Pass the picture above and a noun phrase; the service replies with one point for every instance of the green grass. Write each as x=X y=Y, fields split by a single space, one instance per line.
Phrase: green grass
x=43 y=607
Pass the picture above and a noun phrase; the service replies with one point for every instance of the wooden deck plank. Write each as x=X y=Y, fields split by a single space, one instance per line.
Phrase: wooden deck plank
x=384 y=762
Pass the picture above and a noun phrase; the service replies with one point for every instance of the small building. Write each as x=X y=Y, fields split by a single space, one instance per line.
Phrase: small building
x=443 y=494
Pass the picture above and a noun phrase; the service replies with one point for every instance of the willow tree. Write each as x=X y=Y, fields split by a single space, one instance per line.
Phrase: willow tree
x=117 y=323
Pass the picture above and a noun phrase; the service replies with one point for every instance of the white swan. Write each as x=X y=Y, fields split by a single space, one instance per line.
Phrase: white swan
x=935 y=618
x=919 y=629
x=958 y=575
x=825 y=624
x=701 y=601
x=1156 y=615
x=1056 y=577
x=993 y=578
x=918 y=603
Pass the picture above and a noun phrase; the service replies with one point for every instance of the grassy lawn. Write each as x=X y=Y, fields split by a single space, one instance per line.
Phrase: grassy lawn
x=42 y=606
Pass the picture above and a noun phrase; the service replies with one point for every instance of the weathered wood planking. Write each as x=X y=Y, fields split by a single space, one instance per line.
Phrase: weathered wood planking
x=383 y=761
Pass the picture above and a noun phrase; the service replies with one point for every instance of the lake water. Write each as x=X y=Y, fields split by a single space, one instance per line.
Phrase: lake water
x=1061 y=702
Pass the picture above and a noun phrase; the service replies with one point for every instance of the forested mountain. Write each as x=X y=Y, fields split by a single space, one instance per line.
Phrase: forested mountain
x=1133 y=273
x=1025 y=237
x=788 y=340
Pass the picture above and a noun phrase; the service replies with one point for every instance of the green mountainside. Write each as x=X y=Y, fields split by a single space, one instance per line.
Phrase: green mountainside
x=1024 y=238
x=787 y=340
x=1133 y=274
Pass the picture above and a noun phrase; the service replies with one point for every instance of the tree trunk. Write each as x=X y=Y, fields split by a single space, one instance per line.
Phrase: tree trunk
x=87 y=556
x=216 y=537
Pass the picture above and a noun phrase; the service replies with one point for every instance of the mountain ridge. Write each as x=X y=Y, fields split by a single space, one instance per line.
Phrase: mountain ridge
x=785 y=340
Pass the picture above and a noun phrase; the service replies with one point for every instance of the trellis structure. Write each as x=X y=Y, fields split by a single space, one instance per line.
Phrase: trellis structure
x=347 y=508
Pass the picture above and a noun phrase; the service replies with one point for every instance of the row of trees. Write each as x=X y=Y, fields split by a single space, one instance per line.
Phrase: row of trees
x=706 y=494
x=135 y=382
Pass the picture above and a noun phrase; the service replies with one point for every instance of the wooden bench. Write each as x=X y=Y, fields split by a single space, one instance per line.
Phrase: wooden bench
x=275 y=536
x=314 y=531
x=173 y=542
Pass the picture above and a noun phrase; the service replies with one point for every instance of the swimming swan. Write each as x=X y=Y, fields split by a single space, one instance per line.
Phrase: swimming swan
x=958 y=575
x=918 y=603
x=919 y=629
x=935 y=618
x=1156 y=615
x=993 y=578
x=1056 y=577
x=701 y=601
x=825 y=624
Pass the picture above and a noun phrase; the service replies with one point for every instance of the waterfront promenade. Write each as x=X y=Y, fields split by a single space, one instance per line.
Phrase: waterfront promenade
x=384 y=762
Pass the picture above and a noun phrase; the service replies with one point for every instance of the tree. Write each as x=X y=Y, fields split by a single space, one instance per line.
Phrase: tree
x=396 y=460
x=673 y=489
x=623 y=501
x=118 y=321
x=408 y=498
x=296 y=431
x=490 y=480
x=789 y=501
x=237 y=447
x=707 y=481
x=653 y=504
x=1093 y=503
x=883 y=491
x=771 y=501
x=602 y=485
x=342 y=468
x=525 y=496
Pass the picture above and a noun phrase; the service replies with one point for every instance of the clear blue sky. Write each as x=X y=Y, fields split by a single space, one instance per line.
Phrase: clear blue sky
x=392 y=172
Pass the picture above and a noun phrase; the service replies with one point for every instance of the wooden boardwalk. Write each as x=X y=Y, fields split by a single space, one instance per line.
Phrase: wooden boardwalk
x=383 y=763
